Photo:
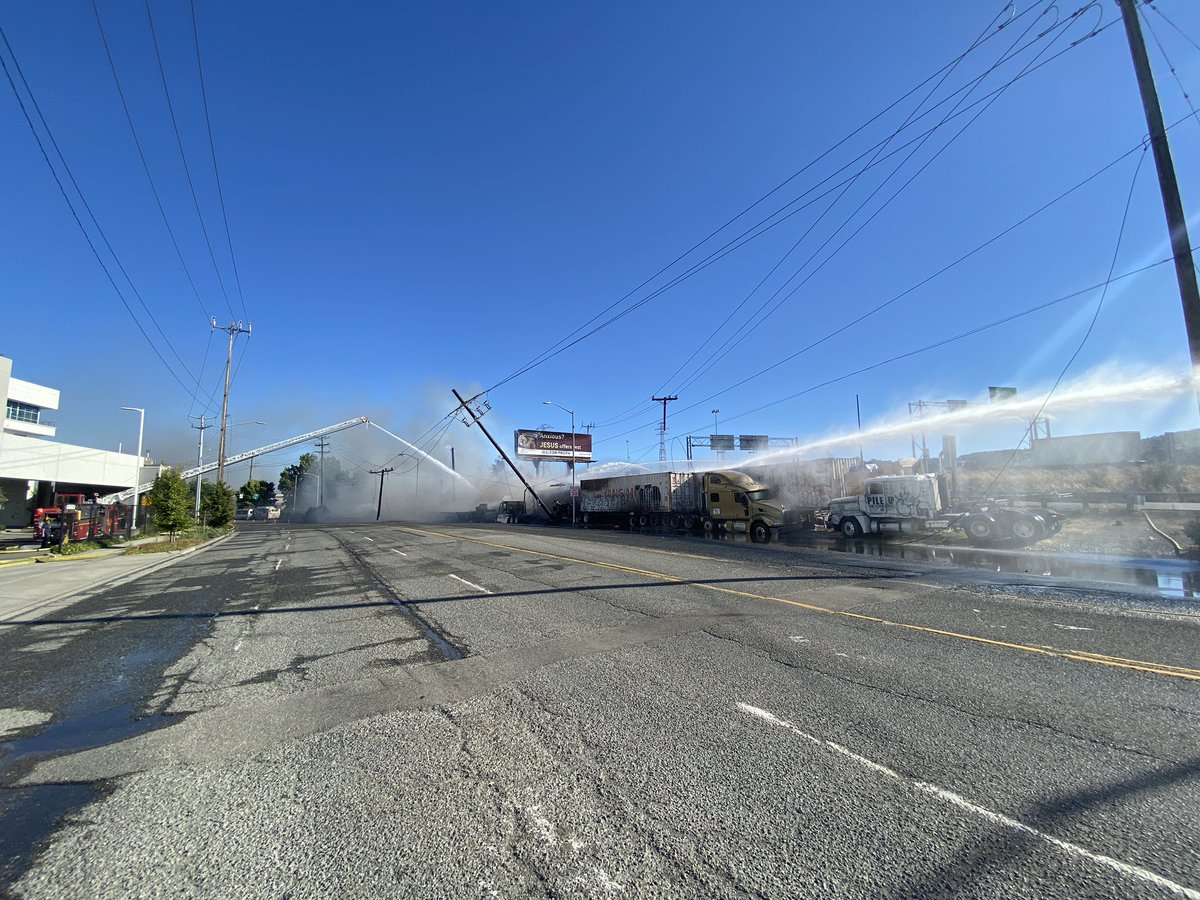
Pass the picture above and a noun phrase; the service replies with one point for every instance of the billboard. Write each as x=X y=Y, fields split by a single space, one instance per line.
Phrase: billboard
x=721 y=441
x=552 y=445
x=753 y=442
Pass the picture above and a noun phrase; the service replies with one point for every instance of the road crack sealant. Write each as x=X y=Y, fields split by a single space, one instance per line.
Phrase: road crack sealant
x=447 y=646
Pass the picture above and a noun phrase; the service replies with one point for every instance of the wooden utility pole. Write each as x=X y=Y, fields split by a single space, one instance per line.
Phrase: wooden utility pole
x=662 y=434
x=380 y=473
x=475 y=420
x=233 y=329
x=1181 y=246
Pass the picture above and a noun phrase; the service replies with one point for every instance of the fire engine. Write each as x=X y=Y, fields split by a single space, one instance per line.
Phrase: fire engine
x=72 y=516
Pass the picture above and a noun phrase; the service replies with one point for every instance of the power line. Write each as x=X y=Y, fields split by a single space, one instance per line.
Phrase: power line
x=846 y=186
x=1163 y=50
x=576 y=337
x=145 y=166
x=183 y=157
x=562 y=344
x=749 y=328
x=237 y=278
x=79 y=222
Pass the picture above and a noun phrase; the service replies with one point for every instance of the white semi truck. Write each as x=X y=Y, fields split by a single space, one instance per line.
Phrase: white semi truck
x=915 y=503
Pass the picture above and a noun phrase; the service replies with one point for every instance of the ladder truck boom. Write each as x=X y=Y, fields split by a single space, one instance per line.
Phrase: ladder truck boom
x=197 y=471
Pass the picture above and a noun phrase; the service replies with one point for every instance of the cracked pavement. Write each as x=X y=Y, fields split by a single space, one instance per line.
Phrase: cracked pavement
x=301 y=711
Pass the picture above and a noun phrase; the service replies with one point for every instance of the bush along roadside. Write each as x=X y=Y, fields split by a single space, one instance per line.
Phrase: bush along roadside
x=193 y=537
x=69 y=548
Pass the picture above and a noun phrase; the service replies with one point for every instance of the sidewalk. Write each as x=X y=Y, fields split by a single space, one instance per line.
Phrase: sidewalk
x=30 y=589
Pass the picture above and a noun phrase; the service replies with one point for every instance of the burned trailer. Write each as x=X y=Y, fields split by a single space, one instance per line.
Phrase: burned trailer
x=722 y=501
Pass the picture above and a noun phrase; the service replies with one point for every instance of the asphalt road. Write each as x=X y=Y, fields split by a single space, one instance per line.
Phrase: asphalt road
x=491 y=711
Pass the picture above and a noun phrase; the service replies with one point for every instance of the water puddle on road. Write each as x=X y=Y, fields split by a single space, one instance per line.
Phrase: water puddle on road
x=1172 y=578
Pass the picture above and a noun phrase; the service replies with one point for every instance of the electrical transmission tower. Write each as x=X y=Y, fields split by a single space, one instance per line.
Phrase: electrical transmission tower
x=662 y=432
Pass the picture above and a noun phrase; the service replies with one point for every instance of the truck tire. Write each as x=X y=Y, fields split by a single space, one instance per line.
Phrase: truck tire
x=1028 y=528
x=709 y=526
x=689 y=522
x=643 y=520
x=674 y=522
x=760 y=533
x=850 y=528
x=981 y=528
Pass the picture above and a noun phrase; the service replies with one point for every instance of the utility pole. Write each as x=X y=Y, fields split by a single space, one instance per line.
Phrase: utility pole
x=234 y=330
x=321 y=445
x=1181 y=246
x=200 y=461
x=476 y=421
x=662 y=434
x=380 y=473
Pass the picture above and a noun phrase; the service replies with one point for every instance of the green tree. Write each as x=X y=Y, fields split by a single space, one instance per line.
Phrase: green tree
x=172 y=501
x=217 y=503
x=251 y=494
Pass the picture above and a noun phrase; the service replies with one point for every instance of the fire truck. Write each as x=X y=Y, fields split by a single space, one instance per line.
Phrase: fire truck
x=74 y=518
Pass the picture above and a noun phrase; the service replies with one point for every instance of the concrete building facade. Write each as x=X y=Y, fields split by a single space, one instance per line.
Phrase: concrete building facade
x=33 y=467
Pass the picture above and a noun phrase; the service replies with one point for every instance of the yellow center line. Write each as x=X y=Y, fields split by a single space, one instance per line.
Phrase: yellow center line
x=1061 y=653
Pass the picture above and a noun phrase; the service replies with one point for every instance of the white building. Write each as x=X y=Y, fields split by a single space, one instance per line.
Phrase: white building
x=33 y=467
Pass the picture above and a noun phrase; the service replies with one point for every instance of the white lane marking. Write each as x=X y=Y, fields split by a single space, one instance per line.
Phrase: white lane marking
x=798 y=639
x=482 y=590
x=278 y=563
x=237 y=646
x=394 y=550
x=1070 y=627
x=1127 y=869
x=365 y=538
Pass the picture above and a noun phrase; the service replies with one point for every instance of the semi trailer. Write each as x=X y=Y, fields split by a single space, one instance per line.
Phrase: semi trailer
x=724 y=500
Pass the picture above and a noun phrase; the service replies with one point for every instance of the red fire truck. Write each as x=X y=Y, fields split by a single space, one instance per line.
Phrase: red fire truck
x=74 y=518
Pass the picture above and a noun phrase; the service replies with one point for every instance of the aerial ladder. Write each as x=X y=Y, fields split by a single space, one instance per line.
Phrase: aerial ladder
x=198 y=471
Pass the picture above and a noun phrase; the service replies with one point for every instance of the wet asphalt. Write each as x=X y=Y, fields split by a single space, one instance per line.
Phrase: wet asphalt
x=481 y=710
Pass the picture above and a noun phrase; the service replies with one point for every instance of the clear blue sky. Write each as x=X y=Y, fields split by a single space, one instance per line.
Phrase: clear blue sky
x=423 y=196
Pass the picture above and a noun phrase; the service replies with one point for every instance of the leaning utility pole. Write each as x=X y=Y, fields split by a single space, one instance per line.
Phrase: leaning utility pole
x=662 y=434
x=475 y=420
x=380 y=473
x=200 y=461
x=233 y=329
x=1181 y=246
x=321 y=445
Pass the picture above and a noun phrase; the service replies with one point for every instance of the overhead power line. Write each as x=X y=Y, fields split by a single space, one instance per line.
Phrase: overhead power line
x=192 y=391
x=183 y=158
x=584 y=331
x=145 y=166
x=237 y=278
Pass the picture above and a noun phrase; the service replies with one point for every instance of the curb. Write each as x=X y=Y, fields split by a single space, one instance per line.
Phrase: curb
x=8 y=563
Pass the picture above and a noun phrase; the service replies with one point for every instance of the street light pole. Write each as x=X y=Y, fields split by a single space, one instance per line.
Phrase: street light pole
x=572 y=412
x=137 y=472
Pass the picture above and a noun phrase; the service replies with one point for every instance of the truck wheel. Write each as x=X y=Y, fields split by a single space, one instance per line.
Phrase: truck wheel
x=689 y=522
x=980 y=527
x=850 y=527
x=674 y=522
x=760 y=533
x=643 y=521
x=709 y=526
x=1027 y=529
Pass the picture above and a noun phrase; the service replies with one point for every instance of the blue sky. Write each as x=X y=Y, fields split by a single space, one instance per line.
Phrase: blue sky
x=427 y=196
